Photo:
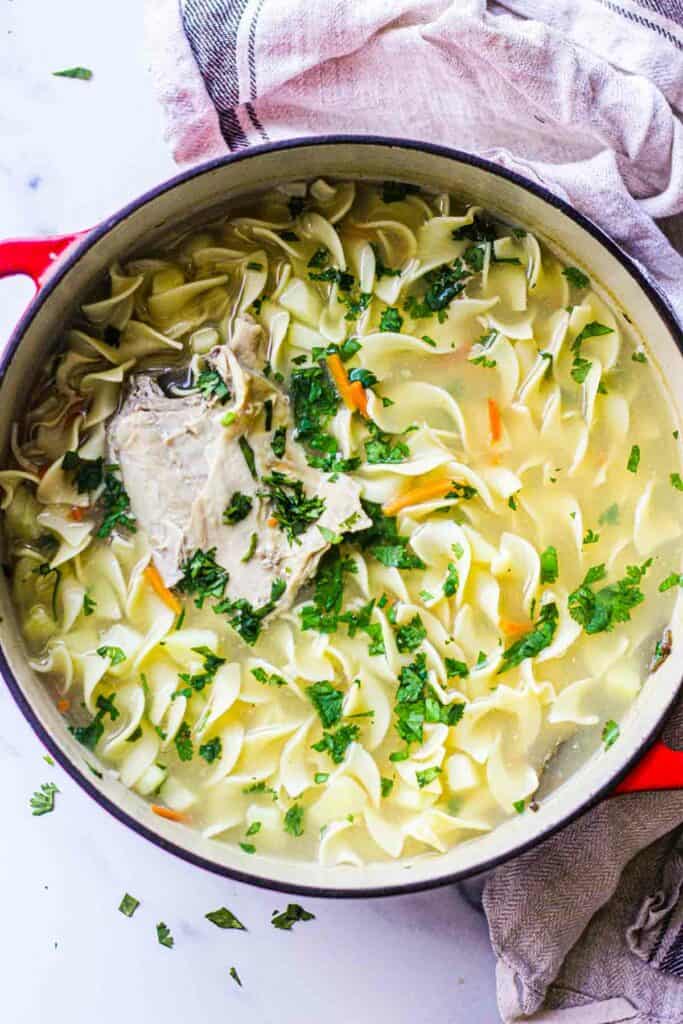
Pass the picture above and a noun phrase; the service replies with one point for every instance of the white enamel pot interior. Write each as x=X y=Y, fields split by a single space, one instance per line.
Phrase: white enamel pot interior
x=200 y=194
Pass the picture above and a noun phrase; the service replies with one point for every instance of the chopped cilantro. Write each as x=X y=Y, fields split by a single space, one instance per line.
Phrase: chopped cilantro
x=253 y=265
x=327 y=701
x=384 y=542
x=480 y=230
x=239 y=508
x=314 y=401
x=416 y=703
x=196 y=683
x=532 y=643
x=366 y=377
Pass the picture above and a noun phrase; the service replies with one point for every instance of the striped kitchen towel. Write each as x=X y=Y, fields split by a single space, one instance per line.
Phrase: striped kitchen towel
x=585 y=96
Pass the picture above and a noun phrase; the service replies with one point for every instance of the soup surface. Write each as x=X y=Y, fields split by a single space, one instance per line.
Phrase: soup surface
x=329 y=523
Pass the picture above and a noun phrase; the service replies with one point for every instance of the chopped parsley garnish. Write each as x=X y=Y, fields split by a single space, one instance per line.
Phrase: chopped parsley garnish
x=581 y=366
x=384 y=542
x=382 y=448
x=336 y=743
x=416 y=703
x=203 y=576
x=128 y=905
x=532 y=643
x=314 y=400
x=395 y=191
x=239 y=508
x=456 y=668
x=597 y=611
x=633 y=459
x=289 y=917
x=44 y=569
x=294 y=820
x=88 y=473
x=610 y=517
x=164 y=935
x=610 y=733
x=674 y=579
x=268 y=678
x=639 y=357
x=580 y=369
x=366 y=377
x=591 y=537
x=211 y=750
x=260 y=787
x=116 y=503
x=244 y=618
x=549 y=565
x=576 y=277
x=356 y=304
x=323 y=614
x=319 y=258
x=327 y=701
x=451 y=583
x=248 y=847
x=676 y=481
x=293 y=511
x=480 y=230
x=248 y=453
x=43 y=800
x=362 y=620
x=115 y=654
x=519 y=806
x=444 y=284
x=391 y=320
x=212 y=385
x=333 y=275
x=427 y=775
x=387 y=786
x=474 y=257
x=321 y=777
x=279 y=441
x=224 y=918
x=89 y=605
x=233 y=970
x=410 y=636
x=196 y=683
x=183 y=742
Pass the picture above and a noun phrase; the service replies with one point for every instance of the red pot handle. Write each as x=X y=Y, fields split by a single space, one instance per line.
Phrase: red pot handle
x=34 y=257
x=660 y=768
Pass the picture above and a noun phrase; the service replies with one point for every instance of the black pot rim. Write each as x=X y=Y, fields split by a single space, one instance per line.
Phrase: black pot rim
x=65 y=264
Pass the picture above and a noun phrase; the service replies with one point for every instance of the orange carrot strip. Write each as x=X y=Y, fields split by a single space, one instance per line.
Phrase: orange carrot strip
x=166 y=812
x=514 y=628
x=63 y=705
x=360 y=398
x=415 y=496
x=341 y=379
x=155 y=581
x=77 y=513
x=495 y=425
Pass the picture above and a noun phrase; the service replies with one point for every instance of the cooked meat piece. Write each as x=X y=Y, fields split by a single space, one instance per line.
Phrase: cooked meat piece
x=182 y=468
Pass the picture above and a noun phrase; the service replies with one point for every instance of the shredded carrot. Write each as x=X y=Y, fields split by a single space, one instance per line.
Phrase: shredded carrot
x=495 y=425
x=514 y=628
x=63 y=705
x=155 y=581
x=341 y=379
x=166 y=812
x=360 y=398
x=415 y=496
x=77 y=513
x=272 y=521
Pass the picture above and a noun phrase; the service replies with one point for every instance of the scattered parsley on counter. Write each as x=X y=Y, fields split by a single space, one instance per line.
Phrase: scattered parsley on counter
x=43 y=800
x=233 y=970
x=128 y=905
x=85 y=74
x=224 y=918
x=164 y=936
x=286 y=919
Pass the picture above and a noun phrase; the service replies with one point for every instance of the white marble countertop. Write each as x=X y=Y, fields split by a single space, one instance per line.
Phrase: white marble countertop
x=70 y=153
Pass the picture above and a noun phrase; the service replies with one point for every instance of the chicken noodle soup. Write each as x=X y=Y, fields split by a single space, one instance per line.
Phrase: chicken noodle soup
x=332 y=521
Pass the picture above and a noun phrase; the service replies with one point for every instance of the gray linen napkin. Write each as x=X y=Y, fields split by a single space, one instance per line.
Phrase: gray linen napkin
x=585 y=96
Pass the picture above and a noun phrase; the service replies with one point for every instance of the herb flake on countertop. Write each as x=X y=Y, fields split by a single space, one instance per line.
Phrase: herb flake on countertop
x=286 y=919
x=164 y=935
x=128 y=905
x=85 y=74
x=224 y=918
x=43 y=800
